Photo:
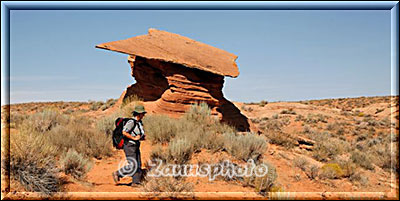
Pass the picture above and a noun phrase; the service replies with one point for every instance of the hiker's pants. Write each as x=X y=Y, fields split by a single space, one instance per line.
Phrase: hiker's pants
x=133 y=168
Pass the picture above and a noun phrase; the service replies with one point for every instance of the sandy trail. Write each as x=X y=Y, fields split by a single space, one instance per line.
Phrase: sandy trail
x=99 y=178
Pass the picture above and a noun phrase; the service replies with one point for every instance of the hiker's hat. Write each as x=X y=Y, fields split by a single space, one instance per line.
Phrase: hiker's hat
x=139 y=109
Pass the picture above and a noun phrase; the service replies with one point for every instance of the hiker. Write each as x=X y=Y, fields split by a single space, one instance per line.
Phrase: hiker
x=133 y=133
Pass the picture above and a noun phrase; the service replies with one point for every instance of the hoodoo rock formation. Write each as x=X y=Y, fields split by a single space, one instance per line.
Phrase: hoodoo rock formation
x=175 y=72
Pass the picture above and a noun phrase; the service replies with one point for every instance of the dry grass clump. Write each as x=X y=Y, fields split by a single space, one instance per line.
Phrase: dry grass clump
x=108 y=104
x=197 y=130
x=301 y=163
x=266 y=183
x=75 y=164
x=280 y=138
x=79 y=136
x=32 y=163
x=312 y=171
x=245 y=147
x=43 y=121
x=362 y=160
x=173 y=187
x=246 y=108
x=15 y=119
x=47 y=136
x=289 y=111
x=179 y=151
x=160 y=128
x=263 y=103
x=130 y=99
x=95 y=105
x=327 y=147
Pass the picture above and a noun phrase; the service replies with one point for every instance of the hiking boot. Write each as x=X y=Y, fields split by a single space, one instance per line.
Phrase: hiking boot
x=116 y=177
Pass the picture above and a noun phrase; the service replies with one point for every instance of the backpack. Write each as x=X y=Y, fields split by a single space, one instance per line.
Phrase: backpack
x=118 y=138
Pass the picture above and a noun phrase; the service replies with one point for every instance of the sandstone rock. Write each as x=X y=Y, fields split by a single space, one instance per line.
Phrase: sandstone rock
x=174 y=72
x=173 y=48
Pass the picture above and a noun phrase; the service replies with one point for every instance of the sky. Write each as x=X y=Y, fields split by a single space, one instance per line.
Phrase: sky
x=282 y=55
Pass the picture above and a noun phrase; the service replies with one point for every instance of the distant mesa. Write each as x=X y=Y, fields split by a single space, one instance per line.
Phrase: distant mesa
x=174 y=72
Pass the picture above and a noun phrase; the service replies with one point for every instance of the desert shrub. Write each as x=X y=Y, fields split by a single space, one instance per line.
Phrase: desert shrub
x=275 y=116
x=245 y=147
x=331 y=171
x=340 y=131
x=170 y=185
x=160 y=128
x=327 y=147
x=247 y=109
x=213 y=141
x=15 y=119
x=130 y=99
x=263 y=103
x=301 y=163
x=360 y=178
x=179 y=151
x=362 y=160
x=78 y=136
x=198 y=112
x=109 y=103
x=378 y=110
x=32 y=163
x=271 y=125
x=95 y=105
x=75 y=164
x=43 y=121
x=280 y=138
x=127 y=109
x=307 y=129
x=68 y=111
x=263 y=184
x=106 y=124
x=158 y=153
x=347 y=165
x=380 y=153
x=289 y=111
x=299 y=118
x=312 y=172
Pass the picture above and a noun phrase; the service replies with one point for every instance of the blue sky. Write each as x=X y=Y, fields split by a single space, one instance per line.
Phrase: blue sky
x=282 y=55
